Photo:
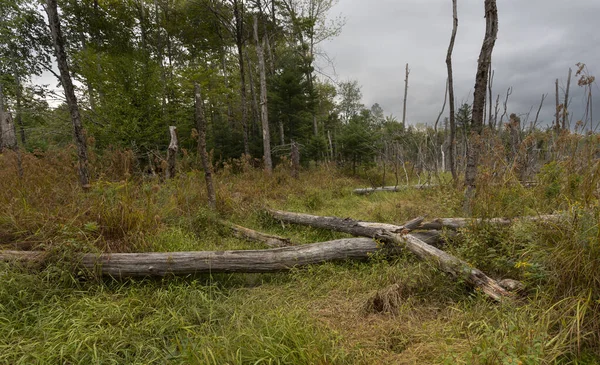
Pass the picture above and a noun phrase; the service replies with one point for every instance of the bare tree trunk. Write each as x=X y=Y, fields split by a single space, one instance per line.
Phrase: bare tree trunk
x=255 y=107
x=1 y=116
x=508 y=94
x=496 y=112
x=491 y=97
x=407 y=71
x=557 y=111
x=281 y=133
x=452 y=142
x=206 y=165
x=19 y=99
x=537 y=115
x=172 y=153
x=566 y=103
x=483 y=64
x=295 y=160
x=263 y=102
x=443 y=108
x=65 y=76
x=239 y=42
x=8 y=137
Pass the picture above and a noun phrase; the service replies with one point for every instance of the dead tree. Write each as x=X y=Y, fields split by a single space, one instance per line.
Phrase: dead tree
x=295 y=160
x=206 y=165
x=8 y=136
x=264 y=111
x=557 y=111
x=252 y=235
x=65 y=78
x=125 y=265
x=483 y=65
x=407 y=71
x=496 y=112
x=172 y=153
x=566 y=103
x=537 y=115
x=398 y=236
x=508 y=94
x=490 y=85
x=452 y=142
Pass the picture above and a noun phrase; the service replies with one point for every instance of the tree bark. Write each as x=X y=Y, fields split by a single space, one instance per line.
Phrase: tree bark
x=537 y=115
x=483 y=65
x=65 y=78
x=239 y=42
x=124 y=265
x=452 y=142
x=206 y=165
x=8 y=137
x=566 y=103
x=172 y=153
x=252 y=235
x=353 y=227
x=295 y=157
x=364 y=191
x=446 y=262
x=19 y=109
x=456 y=223
x=264 y=111
x=407 y=71
x=490 y=97
x=557 y=112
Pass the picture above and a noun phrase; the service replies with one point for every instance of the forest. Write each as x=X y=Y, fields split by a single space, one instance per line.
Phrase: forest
x=192 y=188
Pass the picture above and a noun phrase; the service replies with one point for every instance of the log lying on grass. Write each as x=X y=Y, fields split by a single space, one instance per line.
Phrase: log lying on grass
x=252 y=235
x=411 y=242
x=355 y=227
x=123 y=265
x=397 y=188
x=456 y=223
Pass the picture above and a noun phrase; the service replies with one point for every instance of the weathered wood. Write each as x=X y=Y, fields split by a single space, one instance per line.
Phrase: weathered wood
x=124 y=265
x=264 y=113
x=354 y=227
x=363 y=191
x=456 y=223
x=411 y=242
x=172 y=153
x=252 y=235
x=479 y=94
x=206 y=164
x=8 y=137
x=452 y=136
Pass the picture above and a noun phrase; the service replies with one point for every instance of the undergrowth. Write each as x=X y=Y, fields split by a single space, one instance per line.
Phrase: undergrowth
x=317 y=315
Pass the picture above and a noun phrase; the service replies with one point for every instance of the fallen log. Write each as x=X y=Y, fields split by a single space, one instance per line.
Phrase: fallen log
x=363 y=191
x=123 y=265
x=354 y=227
x=252 y=235
x=446 y=262
x=456 y=223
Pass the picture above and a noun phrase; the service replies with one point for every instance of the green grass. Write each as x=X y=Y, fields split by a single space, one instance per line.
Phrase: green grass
x=313 y=315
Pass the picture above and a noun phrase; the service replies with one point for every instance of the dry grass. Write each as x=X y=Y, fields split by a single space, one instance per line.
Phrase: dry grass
x=383 y=311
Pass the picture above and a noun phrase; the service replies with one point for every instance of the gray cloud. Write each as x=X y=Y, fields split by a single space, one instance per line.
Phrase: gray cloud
x=538 y=41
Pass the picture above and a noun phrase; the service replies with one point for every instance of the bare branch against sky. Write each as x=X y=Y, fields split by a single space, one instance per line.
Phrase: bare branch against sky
x=538 y=41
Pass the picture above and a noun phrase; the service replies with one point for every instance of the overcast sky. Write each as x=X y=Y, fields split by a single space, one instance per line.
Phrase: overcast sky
x=538 y=40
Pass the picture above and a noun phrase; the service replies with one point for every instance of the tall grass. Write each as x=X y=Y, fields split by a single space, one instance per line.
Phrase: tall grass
x=314 y=315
